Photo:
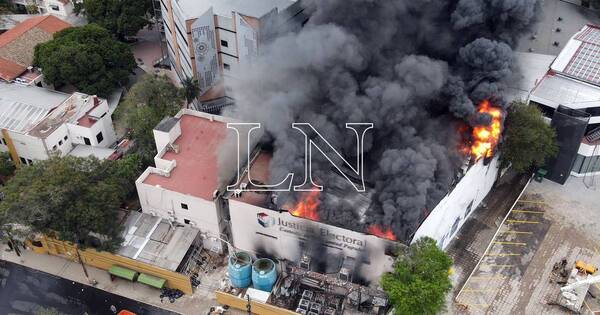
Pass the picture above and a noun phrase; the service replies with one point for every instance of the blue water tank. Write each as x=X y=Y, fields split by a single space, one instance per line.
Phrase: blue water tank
x=264 y=274
x=240 y=270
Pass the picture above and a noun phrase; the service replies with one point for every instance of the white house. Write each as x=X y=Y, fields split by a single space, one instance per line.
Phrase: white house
x=37 y=122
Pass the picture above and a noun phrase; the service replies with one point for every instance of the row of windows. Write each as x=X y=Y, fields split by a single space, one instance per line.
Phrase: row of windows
x=60 y=142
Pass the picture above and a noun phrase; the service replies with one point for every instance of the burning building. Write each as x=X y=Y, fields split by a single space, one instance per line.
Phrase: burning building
x=430 y=78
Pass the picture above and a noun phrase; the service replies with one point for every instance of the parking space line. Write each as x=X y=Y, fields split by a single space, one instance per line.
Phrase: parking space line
x=529 y=211
x=532 y=201
x=516 y=232
x=510 y=243
x=499 y=266
x=503 y=254
x=521 y=221
x=479 y=290
x=489 y=277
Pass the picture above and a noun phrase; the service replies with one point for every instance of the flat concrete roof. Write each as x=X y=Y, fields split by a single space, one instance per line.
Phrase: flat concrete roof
x=254 y=8
x=196 y=172
x=101 y=153
x=556 y=89
x=155 y=241
x=22 y=107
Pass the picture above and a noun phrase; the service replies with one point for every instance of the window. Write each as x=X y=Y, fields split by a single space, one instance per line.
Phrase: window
x=66 y=137
x=29 y=161
x=60 y=142
x=23 y=160
x=224 y=43
x=184 y=206
x=226 y=66
x=54 y=147
x=3 y=141
x=99 y=137
x=54 y=7
x=186 y=221
x=87 y=141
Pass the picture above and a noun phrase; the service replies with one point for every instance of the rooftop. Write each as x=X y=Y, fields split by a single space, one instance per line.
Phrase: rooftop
x=17 y=44
x=155 y=241
x=73 y=108
x=196 y=170
x=254 y=8
x=101 y=153
x=580 y=58
x=558 y=89
x=22 y=107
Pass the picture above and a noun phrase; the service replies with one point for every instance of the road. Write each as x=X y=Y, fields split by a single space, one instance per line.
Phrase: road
x=25 y=291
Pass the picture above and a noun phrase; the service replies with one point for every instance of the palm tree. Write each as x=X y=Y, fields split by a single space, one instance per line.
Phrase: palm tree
x=191 y=88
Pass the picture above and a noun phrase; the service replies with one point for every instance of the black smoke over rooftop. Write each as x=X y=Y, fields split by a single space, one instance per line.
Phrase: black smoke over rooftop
x=415 y=69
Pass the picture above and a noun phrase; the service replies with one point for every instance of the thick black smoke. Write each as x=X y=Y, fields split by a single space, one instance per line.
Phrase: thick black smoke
x=415 y=69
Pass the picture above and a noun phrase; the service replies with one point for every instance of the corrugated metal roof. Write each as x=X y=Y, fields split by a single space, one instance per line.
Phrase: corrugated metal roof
x=22 y=107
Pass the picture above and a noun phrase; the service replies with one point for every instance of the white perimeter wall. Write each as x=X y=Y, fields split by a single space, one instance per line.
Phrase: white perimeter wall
x=283 y=234
x=450 y=214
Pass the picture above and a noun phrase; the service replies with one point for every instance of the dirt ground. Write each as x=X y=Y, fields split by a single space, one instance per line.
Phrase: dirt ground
x=549 y=222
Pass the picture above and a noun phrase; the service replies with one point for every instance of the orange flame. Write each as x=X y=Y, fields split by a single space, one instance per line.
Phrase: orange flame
x=485 y=138
x=307 y=206
x=381 y=232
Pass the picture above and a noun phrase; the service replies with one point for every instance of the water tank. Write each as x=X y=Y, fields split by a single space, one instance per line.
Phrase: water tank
x=264 y=274
x=240 y=270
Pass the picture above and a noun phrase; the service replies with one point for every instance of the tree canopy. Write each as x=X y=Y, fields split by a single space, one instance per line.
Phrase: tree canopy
x=120 y=17
x=86 y=57
x=7 y=166
x=147 y=103
x=71 y=198
x=420 y=280
x=528 y=140
x=191 y=89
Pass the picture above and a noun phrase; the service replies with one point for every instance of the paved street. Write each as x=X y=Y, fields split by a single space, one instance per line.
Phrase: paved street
x=25 y=291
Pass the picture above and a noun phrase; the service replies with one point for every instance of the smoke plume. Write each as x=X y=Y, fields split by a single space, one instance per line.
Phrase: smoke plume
x=415 y=69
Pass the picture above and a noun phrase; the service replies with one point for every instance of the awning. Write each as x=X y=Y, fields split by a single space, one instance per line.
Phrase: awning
x=122 y=272
x=152 y=281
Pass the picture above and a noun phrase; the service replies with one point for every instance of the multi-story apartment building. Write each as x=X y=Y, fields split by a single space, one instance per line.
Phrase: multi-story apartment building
x=207 y=39
x=36 y=122
x=573 y=81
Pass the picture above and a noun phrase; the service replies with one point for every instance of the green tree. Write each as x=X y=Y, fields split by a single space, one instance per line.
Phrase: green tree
x=191 y=88
x=7 y=166
x=74 y=199
x=528 y=140
x=6 y=7
x=86 y=57
x=420 y=280
x=147 y=103
x=120 y=17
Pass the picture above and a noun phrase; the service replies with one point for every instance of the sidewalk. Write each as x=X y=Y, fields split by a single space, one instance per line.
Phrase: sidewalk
x=199 y=303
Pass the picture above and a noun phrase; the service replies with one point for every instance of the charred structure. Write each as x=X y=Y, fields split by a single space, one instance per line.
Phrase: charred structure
x=417 y=70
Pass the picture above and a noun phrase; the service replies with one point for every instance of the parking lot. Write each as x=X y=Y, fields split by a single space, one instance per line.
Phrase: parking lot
x=547 y=223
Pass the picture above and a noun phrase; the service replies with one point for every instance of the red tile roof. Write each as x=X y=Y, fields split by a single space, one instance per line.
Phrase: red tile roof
x=196 y=172
x=12 y=62
x=48 y=23
x=10 y=70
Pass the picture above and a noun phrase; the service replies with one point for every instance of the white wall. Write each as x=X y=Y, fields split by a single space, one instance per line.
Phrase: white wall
x=284 y=233
x=58 y=136
x=450 y=214
x=28 y=147
x=167 y=204
x=63 y=9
